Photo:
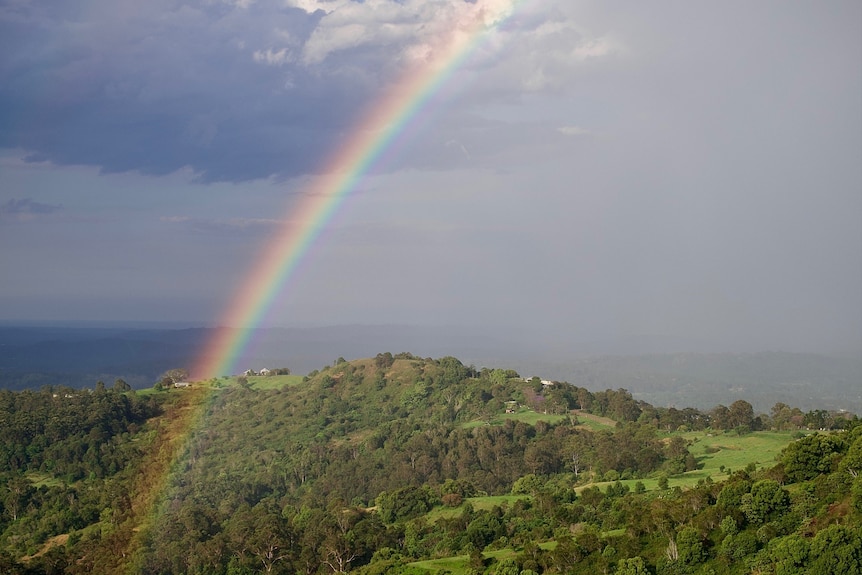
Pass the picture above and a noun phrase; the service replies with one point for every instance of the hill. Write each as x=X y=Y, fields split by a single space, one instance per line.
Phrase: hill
x=386 y=464
x=661 y=371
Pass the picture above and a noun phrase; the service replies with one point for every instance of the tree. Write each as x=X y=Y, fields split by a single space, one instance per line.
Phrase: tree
x=766 y=501
x=507 y=567
x=631 y=566
x=173 y=376
x=741 y=414
x=810 y=456
x=689 y=547
x=721 y=418
x=18 y=493
x=121 y=386
x=836 y=549
x=788 y=554
x=852 y=462
x=264 y=533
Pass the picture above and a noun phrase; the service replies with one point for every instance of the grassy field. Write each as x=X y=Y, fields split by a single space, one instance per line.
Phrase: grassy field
x=458 y=564
x=272 y=381
x=594 y=422
x=718 y=454
x=735 y=451
x=525 y=415
x=478 y=503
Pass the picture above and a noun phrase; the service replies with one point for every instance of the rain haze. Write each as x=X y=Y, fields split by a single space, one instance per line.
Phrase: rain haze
x=591 y=170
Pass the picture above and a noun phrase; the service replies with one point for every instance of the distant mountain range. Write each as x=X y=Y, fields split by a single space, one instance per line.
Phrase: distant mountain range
x=660 y=370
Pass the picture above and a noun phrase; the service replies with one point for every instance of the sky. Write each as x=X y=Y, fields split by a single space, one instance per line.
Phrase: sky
x=590 y=170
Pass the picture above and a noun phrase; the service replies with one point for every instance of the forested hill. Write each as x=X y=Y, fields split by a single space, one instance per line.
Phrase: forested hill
x=401 y=464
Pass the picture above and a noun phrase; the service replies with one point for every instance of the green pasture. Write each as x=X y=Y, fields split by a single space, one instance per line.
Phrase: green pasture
x=718 y=455
x=273 y=381
x=458 y=565
x=524 y=415
x=144 y=391
x=734 y=451
x=531 y=417
x=479 y=504
x=594 y=422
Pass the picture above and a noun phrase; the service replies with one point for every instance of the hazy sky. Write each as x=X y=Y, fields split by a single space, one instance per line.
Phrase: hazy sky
x=595 y=169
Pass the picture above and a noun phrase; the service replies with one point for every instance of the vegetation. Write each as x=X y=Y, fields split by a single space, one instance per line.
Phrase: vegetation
x=400 y=464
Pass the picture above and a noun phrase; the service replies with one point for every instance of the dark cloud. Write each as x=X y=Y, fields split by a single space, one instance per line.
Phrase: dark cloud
x=166 y=87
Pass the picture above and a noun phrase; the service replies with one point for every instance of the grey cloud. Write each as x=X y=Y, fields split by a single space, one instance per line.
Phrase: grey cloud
x=25 y=209
x=167 y=87
x=219 y=88
x=223 y=227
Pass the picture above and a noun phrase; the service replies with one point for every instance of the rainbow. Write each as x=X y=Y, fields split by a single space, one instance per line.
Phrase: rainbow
x=379 y=129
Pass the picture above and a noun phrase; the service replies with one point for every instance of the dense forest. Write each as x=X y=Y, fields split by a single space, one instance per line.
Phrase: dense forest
x=401 y=464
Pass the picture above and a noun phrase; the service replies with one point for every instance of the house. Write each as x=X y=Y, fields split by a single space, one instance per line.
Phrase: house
x=545 y=382
x=249 y=372
x=182 y=384
x=265 y=371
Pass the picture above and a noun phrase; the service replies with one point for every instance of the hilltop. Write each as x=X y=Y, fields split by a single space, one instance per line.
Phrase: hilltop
x=661 y=371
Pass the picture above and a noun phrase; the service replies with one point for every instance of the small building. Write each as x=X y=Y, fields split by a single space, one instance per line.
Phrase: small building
x=249 y=372
x=182 y=384
x=265 y=371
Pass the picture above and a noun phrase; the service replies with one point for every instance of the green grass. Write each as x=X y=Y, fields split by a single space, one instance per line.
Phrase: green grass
x=524 y=415
x=592 y=425
x=273 y=381
x=479 y=504
x=594 y=422
x=491 y=501
x=42 y=479
x=458 y=564
x=736 y=451
x=532 y=417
